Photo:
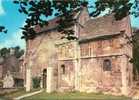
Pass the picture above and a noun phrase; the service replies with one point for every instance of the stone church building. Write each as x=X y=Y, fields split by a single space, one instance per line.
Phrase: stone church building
x=98 y=61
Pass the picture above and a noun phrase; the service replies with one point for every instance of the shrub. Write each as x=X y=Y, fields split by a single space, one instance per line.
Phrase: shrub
x=36 y=82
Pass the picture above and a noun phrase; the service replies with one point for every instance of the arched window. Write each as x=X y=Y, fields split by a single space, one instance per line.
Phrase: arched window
x=107 y=65
x=63 y=69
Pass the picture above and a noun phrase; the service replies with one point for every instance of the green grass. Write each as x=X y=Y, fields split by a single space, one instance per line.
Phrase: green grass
x=18 y=93
x=74 y=96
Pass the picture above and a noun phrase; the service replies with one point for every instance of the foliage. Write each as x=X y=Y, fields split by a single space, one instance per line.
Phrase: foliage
x=18 y=52
x=36 y=82
x=5 y=52
x=38 y=11
x=121 y=8
x=2 y=29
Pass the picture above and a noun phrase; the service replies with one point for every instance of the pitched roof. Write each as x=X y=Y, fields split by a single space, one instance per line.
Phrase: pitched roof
x=106 y=25
x=96 y=27
x=51 y=25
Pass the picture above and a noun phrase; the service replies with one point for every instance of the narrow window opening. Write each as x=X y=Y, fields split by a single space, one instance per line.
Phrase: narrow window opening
x=63 y=69
x=107 y=65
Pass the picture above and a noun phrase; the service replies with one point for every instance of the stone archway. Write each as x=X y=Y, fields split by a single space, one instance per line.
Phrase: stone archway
x=44 y=78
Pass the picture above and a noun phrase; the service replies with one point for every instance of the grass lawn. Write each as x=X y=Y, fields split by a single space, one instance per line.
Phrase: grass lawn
x=74 y=96
x=17 y=93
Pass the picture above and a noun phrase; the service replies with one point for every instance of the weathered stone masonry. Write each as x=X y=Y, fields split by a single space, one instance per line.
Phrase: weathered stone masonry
x=97 y=62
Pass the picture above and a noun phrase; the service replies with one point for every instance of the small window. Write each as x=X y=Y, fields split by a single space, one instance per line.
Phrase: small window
x=44 y=71
x=63 y=69
x=107 y=65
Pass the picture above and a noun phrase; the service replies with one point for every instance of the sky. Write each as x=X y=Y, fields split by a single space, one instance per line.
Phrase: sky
x=13 y=20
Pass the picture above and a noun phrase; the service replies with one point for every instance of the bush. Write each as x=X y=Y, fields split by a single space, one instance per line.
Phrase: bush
x=36 y=82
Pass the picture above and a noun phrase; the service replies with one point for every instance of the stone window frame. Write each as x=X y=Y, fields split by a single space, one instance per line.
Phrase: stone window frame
x=107 y=64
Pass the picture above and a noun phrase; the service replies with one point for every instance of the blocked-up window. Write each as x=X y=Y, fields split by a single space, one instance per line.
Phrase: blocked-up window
x=107 y=65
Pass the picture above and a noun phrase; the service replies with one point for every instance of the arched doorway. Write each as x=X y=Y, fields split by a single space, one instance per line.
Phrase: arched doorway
x=44 y=78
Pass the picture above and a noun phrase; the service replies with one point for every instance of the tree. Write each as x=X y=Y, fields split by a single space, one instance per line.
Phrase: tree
x=5 y=52
x=38 y=11
x=121 y=8
x=18 y=52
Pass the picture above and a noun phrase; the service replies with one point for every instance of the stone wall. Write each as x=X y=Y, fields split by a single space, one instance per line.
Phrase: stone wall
x=66 y=51
x=41 y=51
x=66 y=75
x=101 y=47
x=41 y=54
x=93 y=78
x=66 y=66
x=82 y=63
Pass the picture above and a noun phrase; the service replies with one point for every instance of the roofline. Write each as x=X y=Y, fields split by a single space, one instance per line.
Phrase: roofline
x=47 y=30
x=98 y=37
